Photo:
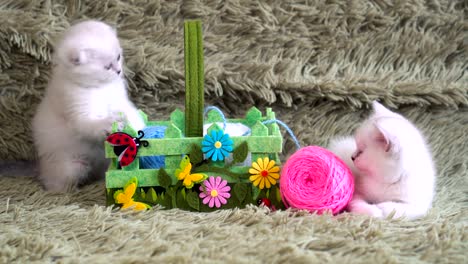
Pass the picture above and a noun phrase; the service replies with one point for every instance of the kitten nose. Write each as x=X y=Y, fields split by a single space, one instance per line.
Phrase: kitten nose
x=353 y=158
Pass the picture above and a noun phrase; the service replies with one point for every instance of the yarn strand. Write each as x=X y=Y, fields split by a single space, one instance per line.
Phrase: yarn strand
x=291 y=133
x=209 y=108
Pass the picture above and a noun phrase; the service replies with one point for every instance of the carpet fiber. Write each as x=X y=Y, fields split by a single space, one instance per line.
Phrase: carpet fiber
x=318 y=64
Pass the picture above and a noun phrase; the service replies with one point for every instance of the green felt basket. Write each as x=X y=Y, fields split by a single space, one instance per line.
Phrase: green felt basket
x=174 y=185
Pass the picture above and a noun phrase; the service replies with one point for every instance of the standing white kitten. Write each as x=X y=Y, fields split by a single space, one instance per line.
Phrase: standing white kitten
x=84 y=97
x=392 y=165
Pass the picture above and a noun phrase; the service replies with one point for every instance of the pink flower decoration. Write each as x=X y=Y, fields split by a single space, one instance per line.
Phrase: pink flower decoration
x=215 y=191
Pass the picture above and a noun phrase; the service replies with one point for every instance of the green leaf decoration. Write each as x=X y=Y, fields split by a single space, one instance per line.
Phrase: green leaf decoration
x=196 y=154
x=268 y=193
x=172 y=192
x=277 y=194
x=110 y=197
x=184 y=194
x=142 y=194
x=164 y=178
x=151 y=196
x=248 y=199
x=240 y=153
x=241 y=191
x=233 y=202
x=165 y=200
x=193 y=200
x=181 y=201
x=255 y=192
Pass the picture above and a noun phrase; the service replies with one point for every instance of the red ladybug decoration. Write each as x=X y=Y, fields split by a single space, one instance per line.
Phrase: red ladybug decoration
x=126 y=146
x=266 y=202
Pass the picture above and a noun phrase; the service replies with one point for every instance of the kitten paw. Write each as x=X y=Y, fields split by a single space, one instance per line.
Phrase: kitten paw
x=120 y=125
x=107 y=127
x=388 y=208
x=365 y=209
x=59 y=187
x=62 y=175
x=120 y=119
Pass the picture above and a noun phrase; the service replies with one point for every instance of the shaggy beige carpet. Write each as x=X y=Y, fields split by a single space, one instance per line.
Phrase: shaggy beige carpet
x=316 y=63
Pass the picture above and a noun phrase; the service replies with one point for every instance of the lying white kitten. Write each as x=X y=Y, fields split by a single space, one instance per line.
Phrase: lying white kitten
x=392 y=165
x=84 y=97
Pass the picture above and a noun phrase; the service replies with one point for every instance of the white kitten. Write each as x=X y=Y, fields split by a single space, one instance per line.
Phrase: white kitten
x=84 y=97
x=392 y=165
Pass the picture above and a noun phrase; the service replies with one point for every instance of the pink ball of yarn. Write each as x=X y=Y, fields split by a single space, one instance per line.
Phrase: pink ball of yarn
x=316 y=180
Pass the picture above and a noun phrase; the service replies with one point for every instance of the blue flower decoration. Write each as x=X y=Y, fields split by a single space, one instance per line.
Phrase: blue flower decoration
x=217 y=145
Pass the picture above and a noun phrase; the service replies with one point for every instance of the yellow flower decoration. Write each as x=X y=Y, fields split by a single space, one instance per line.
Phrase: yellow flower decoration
x=125 y=197
x=183 y=174
x=264 y=173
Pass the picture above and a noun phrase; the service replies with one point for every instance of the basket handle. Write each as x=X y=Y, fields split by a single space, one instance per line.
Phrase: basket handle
x=194 y=78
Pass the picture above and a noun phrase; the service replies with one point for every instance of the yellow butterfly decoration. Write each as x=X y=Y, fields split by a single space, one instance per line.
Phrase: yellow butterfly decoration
x=183 y=173
x=125 y=197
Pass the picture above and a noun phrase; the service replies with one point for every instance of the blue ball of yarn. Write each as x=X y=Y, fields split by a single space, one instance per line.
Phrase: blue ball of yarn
x=153 y=162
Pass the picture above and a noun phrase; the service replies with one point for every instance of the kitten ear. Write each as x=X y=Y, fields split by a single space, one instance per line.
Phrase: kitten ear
x=77 y=56
x=383 y=139
x=379 y=109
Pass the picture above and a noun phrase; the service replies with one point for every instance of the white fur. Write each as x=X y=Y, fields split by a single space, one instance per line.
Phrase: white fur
x=84 y=97
x=393 y=167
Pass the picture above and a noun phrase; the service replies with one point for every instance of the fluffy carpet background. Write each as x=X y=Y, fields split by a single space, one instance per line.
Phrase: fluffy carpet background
x=317 y=63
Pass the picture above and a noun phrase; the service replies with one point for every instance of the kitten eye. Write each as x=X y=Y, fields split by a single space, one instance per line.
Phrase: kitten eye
x=108 y=67
x=118 y=57
x=355 y=155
